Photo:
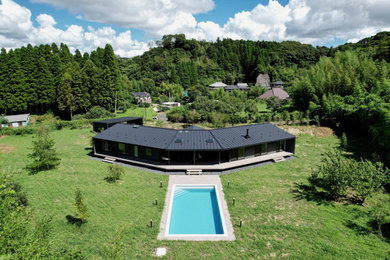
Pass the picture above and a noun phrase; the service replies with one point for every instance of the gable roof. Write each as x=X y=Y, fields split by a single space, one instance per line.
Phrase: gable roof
x=275 y=92
x=189 y=140
x=218 y=85
x=17 y=118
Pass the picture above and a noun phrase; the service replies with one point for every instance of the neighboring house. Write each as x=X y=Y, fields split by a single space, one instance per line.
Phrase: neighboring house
x=179 y=149
x=170 y=104
x=17 y=120
x=239 y=86
x=275 y=92
x=277 y=84
x=102 y=125
x=217 y=85
x=143 y=97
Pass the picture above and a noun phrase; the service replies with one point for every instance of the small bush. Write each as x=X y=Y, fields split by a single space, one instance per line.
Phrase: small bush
x=80 y=208
x=97 y=112
x=114 y=173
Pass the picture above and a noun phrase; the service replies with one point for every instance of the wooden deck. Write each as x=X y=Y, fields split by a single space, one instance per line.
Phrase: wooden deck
x=214 y=167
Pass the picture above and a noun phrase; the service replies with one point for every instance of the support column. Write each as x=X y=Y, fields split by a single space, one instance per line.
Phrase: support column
x=169 y=157
x=219 y=157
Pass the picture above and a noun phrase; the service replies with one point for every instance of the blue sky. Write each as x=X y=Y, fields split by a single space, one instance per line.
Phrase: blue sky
x=132 y=26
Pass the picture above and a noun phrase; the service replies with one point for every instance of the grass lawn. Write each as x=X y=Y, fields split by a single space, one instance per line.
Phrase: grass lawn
x=139 y=111
x=276 y=223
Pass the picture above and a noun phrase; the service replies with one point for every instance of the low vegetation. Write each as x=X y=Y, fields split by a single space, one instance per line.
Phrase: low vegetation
x=278 y=219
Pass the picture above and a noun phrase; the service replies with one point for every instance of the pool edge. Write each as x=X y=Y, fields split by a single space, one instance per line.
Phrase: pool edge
x=196 y=180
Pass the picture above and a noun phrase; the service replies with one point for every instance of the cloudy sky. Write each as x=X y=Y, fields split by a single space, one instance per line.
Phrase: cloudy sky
x=131 y=26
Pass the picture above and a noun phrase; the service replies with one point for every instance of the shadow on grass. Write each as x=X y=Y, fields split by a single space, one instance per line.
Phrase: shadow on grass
x=74 y=220
x=89 y=150
x=310 y=193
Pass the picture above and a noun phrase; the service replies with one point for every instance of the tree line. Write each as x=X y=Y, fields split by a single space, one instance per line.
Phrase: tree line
x=49 y=78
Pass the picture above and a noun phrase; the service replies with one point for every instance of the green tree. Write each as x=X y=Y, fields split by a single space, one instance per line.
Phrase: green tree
x=80 y=208
x=66 y=99
x=43 y=154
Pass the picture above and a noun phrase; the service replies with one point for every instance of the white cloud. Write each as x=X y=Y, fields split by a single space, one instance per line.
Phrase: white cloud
x=16 y=29
x=156 y=17
x=15 y=20
x=316 y=22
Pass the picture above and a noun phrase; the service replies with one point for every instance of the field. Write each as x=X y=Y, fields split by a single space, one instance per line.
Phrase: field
x=147 y=113
x=277 y=223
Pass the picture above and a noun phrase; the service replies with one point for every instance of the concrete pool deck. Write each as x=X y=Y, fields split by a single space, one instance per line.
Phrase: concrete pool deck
x=190 y=180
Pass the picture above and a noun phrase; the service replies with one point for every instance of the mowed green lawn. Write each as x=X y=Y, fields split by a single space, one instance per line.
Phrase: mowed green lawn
x=276 y=224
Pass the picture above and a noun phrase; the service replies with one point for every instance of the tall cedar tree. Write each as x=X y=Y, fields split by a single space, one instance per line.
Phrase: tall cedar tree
x=44 y=154
x=66 y=99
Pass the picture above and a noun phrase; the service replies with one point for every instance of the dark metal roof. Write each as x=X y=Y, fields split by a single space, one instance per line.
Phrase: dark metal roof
x=118 y=120
x=182 y=140
x=234 y=137
x=199 y=140
x=154 y=137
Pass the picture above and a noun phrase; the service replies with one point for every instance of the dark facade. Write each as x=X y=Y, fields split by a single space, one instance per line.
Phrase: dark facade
x=98 y=126
x=191 y=146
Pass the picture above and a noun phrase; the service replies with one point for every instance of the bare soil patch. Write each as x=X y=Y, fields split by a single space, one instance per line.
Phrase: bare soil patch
x=6 y=148
x=310 y=130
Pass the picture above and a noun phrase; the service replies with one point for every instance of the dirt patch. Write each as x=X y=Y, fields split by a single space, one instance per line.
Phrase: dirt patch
x=6 y=148
x=310 y=130
x=3 y=136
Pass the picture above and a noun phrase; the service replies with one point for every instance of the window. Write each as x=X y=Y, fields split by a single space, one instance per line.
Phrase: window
x=263 y=148
x=135 y=150
x=105 y=146
x=148 y=152
x=122 y=148
x=241 y=152
x=233 y=155
x=257 y=150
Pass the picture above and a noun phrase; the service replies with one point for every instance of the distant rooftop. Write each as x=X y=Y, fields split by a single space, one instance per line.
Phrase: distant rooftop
x=141 y=94
x=17 y=118
x=218 y=85
x=275 y=92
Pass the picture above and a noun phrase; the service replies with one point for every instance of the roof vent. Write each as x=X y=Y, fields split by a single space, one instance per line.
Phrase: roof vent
x=178 y=141
x=135 y=126
x=209 y=141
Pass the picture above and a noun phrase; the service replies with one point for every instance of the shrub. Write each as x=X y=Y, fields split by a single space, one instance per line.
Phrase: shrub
x=344 y=141
x=337 y=175
x=97 y=112
x=379 y=208
x=43 y=153
x=114 y=173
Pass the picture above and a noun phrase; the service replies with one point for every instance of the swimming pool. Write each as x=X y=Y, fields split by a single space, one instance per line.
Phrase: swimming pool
x=195 y=211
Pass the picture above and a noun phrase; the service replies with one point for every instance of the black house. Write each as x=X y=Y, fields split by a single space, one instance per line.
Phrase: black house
x=154 y=146
x=98 y=126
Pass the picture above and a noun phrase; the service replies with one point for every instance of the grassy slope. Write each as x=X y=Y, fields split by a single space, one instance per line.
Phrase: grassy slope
x=139 y=111
x=275 y=223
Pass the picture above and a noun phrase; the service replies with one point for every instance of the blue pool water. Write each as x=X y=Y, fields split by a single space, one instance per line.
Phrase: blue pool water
x=195 y=210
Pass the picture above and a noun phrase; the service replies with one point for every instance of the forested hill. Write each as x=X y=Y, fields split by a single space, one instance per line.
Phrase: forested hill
x=376 y=46
x=191 y=62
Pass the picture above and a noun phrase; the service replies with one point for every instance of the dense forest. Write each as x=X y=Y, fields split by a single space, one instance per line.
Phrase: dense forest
x=47 y=78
